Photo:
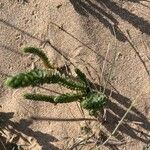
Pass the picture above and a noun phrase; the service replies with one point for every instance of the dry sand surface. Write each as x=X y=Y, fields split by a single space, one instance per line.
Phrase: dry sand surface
x=91 y=33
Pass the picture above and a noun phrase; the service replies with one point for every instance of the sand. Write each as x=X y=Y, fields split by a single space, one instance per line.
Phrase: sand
x=110 y=33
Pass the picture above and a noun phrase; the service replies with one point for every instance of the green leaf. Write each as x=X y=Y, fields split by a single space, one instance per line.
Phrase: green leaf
x=41 y=54
x=32 y=78
x=39 y=97
x=81 y=75
x=39 y=77
x=94 y=102
x=67 y=98
x=63 y=98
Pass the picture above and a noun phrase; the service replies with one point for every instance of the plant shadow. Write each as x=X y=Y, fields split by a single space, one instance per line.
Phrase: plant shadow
x=22 y=126
x=115 y=112
x=44 y=42
x=10 y=49
x=2 y=21
x=135 y=125
x=100 y=8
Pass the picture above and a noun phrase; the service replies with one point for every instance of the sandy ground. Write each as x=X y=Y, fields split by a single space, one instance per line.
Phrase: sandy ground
x=85 y=31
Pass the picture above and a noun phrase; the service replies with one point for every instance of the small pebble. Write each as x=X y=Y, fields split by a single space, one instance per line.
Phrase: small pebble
x=58 y=6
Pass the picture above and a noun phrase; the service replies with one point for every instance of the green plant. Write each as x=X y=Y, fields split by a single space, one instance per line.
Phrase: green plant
x=89 y=99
